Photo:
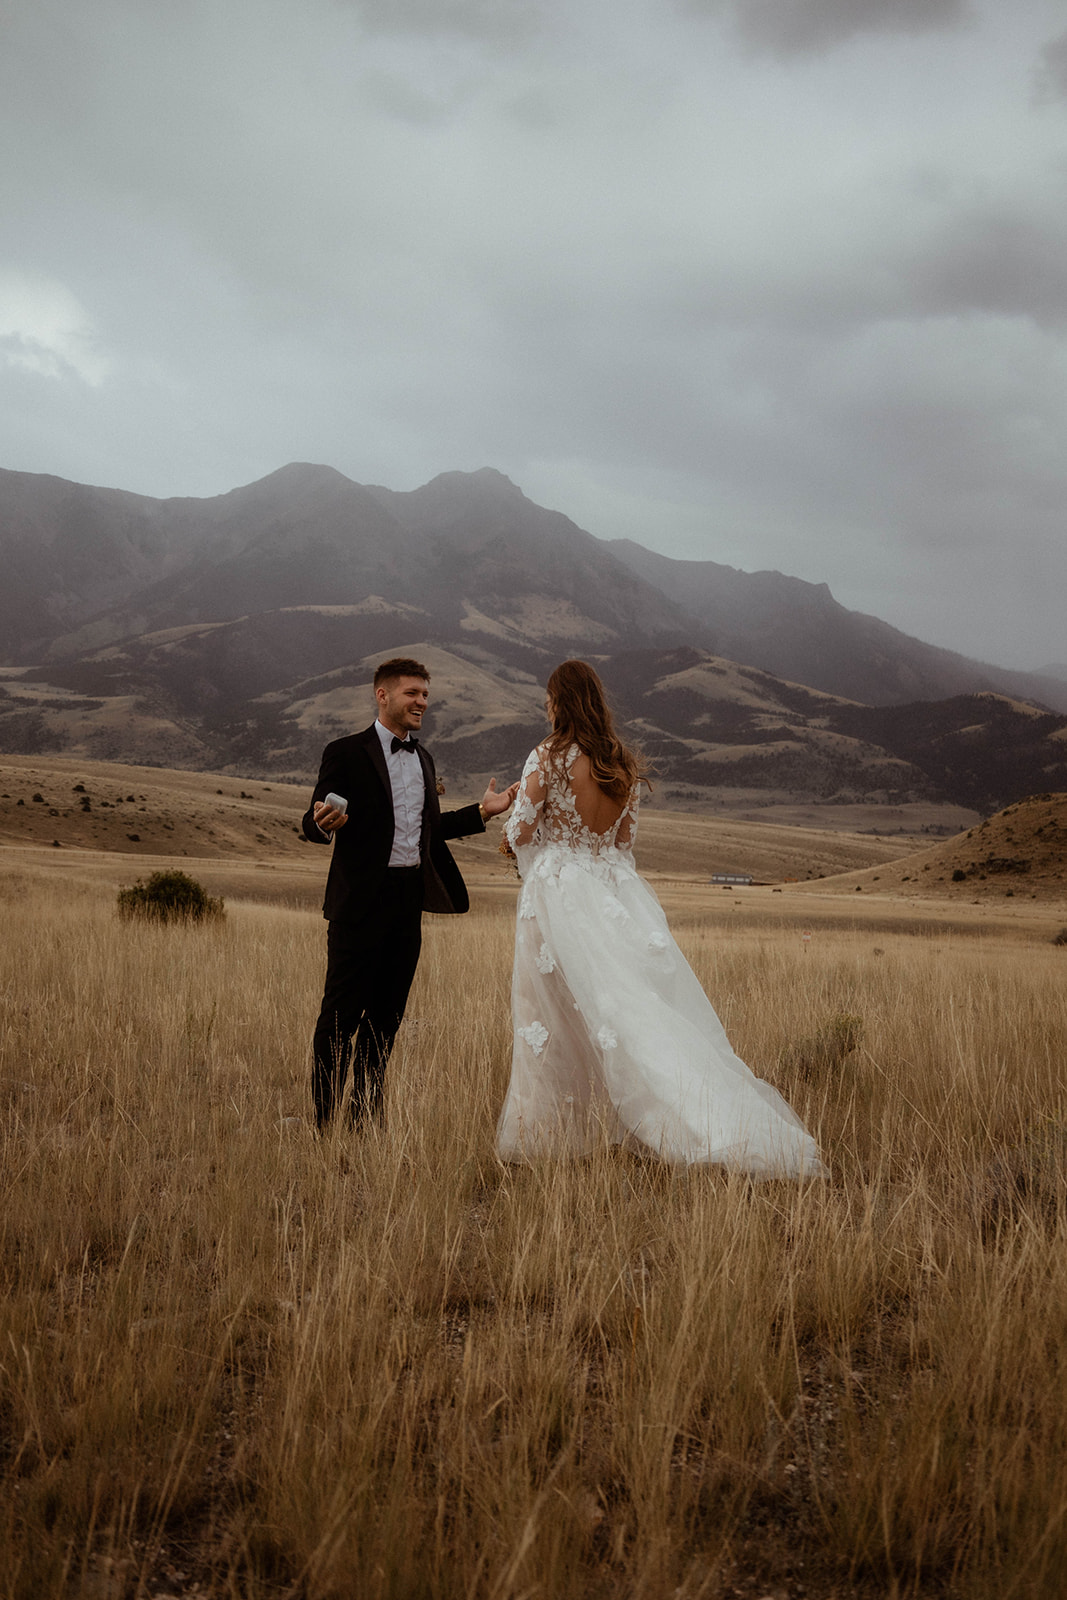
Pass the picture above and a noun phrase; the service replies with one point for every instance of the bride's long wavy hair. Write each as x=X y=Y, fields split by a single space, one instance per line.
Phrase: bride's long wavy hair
x=581 y=716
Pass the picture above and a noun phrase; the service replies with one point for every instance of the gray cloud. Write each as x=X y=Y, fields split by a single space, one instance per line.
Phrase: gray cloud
x=787 y=27
x=494 y=21
x=1051 y=74
x=1001 y=261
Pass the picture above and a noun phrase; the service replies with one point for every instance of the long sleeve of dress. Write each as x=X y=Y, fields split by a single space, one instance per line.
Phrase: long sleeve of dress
x=522 y=825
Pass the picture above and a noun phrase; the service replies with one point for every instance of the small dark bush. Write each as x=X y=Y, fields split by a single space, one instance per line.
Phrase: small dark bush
x=170 y=897
x=959 y=875
x=826 y=1049
x=1061 y=937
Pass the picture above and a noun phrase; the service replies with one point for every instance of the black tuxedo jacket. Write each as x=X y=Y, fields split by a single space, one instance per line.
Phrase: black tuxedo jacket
x=355 y=768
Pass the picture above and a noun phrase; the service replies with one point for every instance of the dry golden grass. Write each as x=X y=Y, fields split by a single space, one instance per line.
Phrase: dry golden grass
x=237 y=1361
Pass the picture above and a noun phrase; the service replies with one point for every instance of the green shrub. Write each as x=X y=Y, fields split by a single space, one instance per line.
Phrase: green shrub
x=170 y=897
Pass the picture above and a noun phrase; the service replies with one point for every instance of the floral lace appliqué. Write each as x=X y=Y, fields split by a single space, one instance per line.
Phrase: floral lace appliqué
x=607 y=1038
x=525 y=810
x=544 y=961
x=659 y=958
x=536 y=1036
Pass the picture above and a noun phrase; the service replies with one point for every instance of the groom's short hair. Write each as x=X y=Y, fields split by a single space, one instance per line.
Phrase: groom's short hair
x=400 y=667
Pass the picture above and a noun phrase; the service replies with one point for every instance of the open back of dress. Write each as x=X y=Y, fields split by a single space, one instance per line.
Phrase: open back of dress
x=560 y=801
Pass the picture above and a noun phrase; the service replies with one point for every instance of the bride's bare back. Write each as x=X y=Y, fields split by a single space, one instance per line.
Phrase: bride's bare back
x=598 y=811
x=562 y=797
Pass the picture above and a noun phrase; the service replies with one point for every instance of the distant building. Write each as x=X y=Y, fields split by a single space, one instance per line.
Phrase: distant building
x=731 y=877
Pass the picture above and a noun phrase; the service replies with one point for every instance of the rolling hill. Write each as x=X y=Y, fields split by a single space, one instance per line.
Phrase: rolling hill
x=1018 y=853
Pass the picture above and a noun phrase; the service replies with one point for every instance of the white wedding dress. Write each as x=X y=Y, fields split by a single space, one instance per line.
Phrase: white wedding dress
x=614 y=1037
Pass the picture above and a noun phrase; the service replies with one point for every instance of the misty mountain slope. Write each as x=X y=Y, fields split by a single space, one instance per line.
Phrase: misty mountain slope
x=470 y=547
x=501 y=579
x=238 y=632
x=306 y=535
x=496 y=563
x=69 y=550
x=798 y=630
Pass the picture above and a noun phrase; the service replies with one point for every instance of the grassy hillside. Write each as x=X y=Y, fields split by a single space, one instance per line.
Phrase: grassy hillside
x=1018 y=854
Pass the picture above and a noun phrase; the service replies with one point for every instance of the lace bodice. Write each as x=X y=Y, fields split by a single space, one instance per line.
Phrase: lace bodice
x=546 y=808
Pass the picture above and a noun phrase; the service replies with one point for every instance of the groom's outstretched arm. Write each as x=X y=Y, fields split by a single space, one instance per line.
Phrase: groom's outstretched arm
x=472 y=819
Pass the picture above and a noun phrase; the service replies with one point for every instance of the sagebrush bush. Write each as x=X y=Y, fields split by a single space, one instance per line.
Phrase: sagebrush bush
x=826 y=1048
x=170 y=897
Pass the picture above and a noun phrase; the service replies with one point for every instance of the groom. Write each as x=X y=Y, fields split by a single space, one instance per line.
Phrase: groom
x=390 y=863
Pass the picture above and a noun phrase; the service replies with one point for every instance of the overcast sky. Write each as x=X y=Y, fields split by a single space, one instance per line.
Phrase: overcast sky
x=776 y=283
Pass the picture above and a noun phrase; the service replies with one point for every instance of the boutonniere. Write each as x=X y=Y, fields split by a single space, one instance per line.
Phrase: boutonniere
x=440 y=787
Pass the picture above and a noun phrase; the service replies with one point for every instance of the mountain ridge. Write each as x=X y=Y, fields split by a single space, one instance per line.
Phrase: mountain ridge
x=87 y=566
x=241 y=628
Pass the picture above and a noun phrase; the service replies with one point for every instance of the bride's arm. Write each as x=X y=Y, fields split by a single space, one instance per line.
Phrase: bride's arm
x=529 y=803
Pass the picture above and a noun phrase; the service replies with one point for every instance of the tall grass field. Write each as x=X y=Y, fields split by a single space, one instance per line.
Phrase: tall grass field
x=239 y=1361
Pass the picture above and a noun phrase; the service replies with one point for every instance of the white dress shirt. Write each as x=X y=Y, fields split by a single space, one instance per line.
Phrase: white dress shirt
x=409 y=797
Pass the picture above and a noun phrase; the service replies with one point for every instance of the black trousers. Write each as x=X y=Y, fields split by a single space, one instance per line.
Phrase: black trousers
x=370 y=965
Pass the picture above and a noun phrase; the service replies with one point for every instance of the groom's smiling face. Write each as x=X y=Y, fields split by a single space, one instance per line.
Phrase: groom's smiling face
x=401 y=703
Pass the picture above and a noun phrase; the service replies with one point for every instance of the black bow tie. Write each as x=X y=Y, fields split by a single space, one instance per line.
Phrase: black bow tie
x=403 y=744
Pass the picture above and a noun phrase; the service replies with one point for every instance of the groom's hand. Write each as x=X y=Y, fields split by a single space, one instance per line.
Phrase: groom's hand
x=327 y=818
x=493 y=804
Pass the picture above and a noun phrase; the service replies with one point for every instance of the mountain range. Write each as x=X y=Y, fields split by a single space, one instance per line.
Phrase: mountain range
x=240 y=631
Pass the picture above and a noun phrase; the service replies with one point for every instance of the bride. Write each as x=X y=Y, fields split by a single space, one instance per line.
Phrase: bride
x=613 y=1034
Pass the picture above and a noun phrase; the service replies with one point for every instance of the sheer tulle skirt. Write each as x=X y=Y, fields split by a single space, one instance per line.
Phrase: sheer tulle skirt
x=615 y=1038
